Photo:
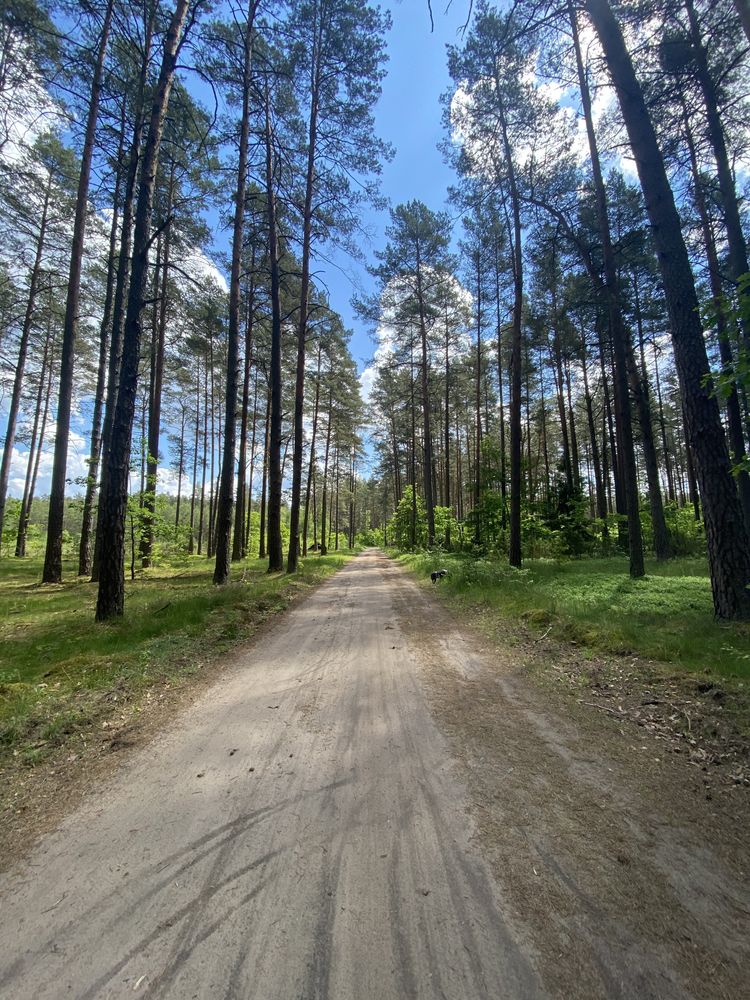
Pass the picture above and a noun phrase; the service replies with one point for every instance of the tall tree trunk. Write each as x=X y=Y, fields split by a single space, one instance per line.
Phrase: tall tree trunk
x=157 y=381
x=52 y=572
x=323 y=537
x=275 y=553
x=123 y=275
x=617 y=330
x=180 y=466
x=337 y=506
x=194 y=477
x=734 y=416
x=311 y=466
x=425 y=380
x=239 y=544
x=662 y=543
x=264 y=480
x=545 y=450
x=514 y=546
x=736 y=245
x=352 y=496
x=307 y=231
x=249 y=514
x=37 y=438
x=111 y=595
x=574 y=460
x=23 y=350
x=557 y=374
x=498 y=328
x=84 y=547
x=447 y=438
x=671 y=491
x=413 y=526
x=727 y=542
x=478 y=411
x=210 y=549
x=601 y=496
x=226 y=490
x=204 y=458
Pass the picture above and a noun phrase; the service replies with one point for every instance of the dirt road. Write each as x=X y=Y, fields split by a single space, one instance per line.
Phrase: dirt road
x=309 y=830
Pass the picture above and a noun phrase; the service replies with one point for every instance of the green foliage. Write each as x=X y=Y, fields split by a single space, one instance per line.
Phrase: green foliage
x=489 y=514
x=10 y=525
x=735 y=311
x=566 y=516
x=685 y=532
x=373 y=537
x=444 y=520
x=404 y=530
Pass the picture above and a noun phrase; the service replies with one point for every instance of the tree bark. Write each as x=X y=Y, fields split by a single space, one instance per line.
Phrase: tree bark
x=323 y=536
x=123 y=278
x=264 y=480
x=734 y=416
x=736 y=244
x=84 y=547
x=226 y=489
x=239 y=544
x=307 y=230
x=111 y=595
x=425 y=384
x=275 y=553
x=311 y=466
x=37 y=440
x=618 y=333
x=155 y=394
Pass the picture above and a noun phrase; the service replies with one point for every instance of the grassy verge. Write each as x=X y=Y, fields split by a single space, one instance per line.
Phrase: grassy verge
x=666 y=616
x=62 y=675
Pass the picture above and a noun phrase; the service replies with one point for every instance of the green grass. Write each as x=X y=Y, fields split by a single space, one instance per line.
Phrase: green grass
x=59 y=669
x=667 y=616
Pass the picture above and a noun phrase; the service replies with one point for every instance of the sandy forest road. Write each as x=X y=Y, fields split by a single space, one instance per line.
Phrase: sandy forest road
x=308 y=831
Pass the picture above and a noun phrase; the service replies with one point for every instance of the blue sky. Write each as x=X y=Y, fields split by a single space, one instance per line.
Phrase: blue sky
x=409 y=117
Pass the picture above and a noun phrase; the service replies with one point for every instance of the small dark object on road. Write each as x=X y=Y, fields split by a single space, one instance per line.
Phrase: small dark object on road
x=438 y=574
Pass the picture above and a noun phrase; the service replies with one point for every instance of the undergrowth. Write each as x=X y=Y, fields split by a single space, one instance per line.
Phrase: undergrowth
x=60 y=671
x=667 y=615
